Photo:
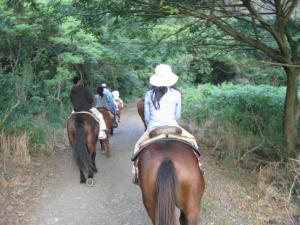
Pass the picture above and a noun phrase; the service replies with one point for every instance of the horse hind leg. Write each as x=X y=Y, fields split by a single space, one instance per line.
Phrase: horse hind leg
x=107 y=147
x=91 y=146
x=182 y=218
x=102 y=147
x=82 y=177
x=149 y=204
x=94 y=163
x=88 y=181
x=191 y=215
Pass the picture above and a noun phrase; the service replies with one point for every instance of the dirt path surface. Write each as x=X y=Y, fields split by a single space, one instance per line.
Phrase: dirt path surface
x=114 y=200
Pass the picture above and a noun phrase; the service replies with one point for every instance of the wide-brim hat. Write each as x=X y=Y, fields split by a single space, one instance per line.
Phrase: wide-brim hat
x=163 y=76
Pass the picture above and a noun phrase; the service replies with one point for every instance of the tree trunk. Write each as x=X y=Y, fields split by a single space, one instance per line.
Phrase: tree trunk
x=291 y=110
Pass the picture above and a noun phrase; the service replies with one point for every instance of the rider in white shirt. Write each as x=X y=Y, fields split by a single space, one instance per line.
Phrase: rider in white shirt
x=162 y=105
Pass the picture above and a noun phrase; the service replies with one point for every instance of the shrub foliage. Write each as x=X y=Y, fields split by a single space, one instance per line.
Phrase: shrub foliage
x=252 y=110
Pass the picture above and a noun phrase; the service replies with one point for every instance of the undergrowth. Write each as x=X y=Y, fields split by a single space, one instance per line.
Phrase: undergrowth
x=242 y=126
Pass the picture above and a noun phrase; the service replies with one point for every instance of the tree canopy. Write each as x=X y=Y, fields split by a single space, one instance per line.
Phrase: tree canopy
x=269 y=26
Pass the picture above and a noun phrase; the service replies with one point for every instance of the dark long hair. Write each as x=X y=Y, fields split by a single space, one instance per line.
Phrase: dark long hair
x=158 y=93
x=100 y=91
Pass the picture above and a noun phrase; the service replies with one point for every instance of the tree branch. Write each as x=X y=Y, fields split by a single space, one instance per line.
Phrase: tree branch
x=255 y=29
x=177 y=32
x=280 y=64
x=290 y=10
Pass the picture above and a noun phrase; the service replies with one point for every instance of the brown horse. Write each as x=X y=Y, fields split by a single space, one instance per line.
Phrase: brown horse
x=83 y=134
x=169 y=175
x=140 y=108
x=119 y=107
x=105 y=146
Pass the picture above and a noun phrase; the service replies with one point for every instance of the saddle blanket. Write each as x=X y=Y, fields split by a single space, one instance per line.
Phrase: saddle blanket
x=87 y=112
x=167 y=137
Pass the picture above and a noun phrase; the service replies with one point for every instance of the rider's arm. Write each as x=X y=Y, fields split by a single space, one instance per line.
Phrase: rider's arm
x=178 y=107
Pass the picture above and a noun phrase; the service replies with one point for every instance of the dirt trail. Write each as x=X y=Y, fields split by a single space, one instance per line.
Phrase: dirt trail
x=114 y=200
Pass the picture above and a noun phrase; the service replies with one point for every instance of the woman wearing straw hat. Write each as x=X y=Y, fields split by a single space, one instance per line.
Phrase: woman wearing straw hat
x=162 y=105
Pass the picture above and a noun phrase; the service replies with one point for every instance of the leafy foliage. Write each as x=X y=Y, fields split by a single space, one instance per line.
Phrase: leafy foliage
x=254 y=110
x=45 y=43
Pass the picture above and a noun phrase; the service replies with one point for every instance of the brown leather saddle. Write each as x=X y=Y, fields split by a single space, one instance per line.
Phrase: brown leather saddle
x=165 y=134
x=165 y=130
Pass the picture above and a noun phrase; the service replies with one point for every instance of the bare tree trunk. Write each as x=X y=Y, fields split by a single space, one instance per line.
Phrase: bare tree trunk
x=291 y=109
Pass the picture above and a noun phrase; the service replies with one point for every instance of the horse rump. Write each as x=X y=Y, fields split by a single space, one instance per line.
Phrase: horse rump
x=166 y=181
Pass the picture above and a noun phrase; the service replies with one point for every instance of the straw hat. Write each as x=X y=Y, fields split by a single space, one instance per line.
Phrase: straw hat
x=163 y=76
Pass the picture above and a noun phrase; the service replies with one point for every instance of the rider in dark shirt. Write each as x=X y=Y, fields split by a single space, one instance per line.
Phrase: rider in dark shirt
x=82 y=100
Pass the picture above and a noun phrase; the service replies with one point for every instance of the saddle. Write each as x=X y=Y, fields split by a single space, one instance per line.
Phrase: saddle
x=169 y=133
x=165 y=130
x=87 y=112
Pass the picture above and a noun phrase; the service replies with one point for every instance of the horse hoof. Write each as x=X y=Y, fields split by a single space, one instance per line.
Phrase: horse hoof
x=90 y=182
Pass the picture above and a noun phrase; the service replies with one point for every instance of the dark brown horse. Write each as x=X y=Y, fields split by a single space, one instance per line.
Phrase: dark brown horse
x=140 y=108
x=169 y=175
x=107 y=116
x=83 y=134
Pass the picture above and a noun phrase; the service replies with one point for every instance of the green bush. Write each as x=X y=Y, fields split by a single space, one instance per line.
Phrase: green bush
x=255 y=110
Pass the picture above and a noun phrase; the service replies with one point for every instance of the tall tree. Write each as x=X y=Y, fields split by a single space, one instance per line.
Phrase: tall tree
x=267 y=22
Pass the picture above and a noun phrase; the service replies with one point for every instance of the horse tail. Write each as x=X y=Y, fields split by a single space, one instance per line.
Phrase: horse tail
x=82 y=157
x=165 y=185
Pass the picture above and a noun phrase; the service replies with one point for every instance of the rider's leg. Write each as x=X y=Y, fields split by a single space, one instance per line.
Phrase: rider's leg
x=102 y=125
x=115 y=107
x=143 y=138
x=115 y=113
x=185 y=133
